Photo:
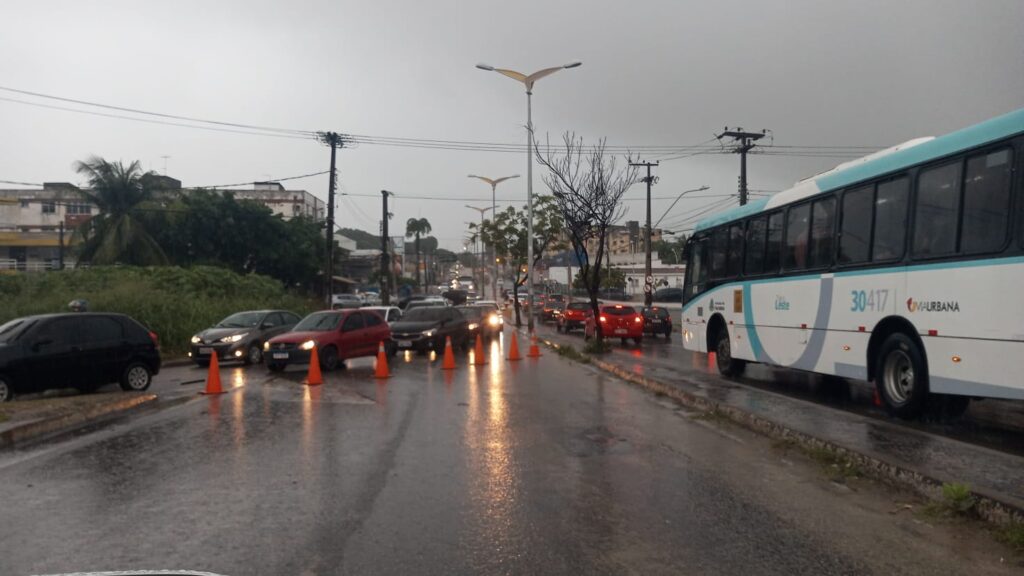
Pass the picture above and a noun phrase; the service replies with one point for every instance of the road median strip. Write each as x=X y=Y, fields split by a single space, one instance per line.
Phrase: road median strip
x=72 y=415
x=1000 y=507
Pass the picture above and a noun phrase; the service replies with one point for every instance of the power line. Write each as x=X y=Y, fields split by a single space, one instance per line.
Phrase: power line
x=19 y=183
x=275 y=180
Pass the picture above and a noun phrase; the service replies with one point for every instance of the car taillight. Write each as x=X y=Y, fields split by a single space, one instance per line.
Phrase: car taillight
x=603 y=319
x=154 y=338
x=637 y=319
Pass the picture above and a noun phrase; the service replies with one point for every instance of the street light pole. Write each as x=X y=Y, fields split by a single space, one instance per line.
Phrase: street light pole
x=529 y=81
x=494 y=207
x=480 y=240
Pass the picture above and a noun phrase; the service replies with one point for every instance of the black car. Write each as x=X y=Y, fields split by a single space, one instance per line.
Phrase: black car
x=668 y=295
x=241 y=336
x=424 y=329
x=657 y=320
x=478 y=318
x=80 y=350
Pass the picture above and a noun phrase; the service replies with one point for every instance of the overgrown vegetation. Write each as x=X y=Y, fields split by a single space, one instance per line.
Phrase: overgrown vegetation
x=596 y=346
x=838 y=467
x=173 y=302
x=567 y=351
x=1012 y=535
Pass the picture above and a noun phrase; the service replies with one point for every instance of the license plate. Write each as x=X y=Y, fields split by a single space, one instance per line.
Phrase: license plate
x=206 y=350
x=405 y=344
x=280 y=355
x=621 y=331
x=654 y=321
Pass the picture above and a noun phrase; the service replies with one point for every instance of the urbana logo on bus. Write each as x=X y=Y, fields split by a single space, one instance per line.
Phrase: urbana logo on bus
x=781 y=303
x=932 y=306
x=716 y=306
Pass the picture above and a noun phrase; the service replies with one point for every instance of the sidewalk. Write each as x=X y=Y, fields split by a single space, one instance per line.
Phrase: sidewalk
x=25 y=420
x=898 y=453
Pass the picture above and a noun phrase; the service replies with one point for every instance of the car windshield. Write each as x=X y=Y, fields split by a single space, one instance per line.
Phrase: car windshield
x=471 y=312
x=619 y=310
x=656 y=312
x=318 y=322
x=241 y=320
x=10 y=330
x=578 y=306
x=425 y=314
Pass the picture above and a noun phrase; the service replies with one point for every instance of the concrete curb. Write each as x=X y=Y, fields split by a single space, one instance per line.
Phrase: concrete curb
x=63 y=424
x=990 y=507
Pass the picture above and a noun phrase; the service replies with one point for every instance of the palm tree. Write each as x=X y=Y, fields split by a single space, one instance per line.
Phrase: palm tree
x=115 y=235
x=414 y=228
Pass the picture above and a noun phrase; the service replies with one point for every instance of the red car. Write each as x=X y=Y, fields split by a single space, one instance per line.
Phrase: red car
x=337 y=335
x=574 y=316
x=617 y=321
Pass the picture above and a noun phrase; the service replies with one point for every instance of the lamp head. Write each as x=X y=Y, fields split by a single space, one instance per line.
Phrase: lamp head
x=486 y=67
x=575 y=64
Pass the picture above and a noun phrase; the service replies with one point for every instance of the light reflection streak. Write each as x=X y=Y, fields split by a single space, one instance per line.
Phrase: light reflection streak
x=310 y=396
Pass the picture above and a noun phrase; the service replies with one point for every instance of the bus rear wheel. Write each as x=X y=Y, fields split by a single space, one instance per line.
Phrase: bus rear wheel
x=727 y=365
x=902 y=376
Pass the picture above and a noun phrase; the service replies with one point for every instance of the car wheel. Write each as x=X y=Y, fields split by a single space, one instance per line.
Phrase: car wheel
x=902 y=376
x=390 y=348
x=254 y=355
x=275 y=367
x=329 y=358
x=727 y=365
x=668 y=335
x=137 y=377
x=203 y=363
x=6 y=390
x=638 y=340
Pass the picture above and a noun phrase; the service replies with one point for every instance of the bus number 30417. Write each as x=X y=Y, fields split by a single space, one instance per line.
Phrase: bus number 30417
x=869 y=300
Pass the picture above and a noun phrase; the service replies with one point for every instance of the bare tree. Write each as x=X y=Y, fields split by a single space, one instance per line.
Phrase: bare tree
x=588 y=186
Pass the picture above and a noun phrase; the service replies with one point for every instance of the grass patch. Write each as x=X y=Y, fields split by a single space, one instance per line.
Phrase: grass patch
x=596 y=346
x=957 y=502
x=567 y=351
x=716 y=416
x=838 y=467
x=1012 y=535
x=173 y=302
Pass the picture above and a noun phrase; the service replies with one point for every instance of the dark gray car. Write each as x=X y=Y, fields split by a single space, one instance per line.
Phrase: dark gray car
x=241 y=336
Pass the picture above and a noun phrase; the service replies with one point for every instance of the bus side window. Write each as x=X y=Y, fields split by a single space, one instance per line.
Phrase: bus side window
x=735 y=265
x=719 y=252
x=890 y=220
x=756 y=229
x=794 y=256
x=936 y=211
x=773 y=250
x=696 y=271
x=986 y=202
x=823 y=225
x=855 y=234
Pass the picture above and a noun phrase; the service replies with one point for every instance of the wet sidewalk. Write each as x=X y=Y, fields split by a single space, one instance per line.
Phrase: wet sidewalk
x=903 y=453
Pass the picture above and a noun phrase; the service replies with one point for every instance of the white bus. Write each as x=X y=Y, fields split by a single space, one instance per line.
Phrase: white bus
x=905 y=267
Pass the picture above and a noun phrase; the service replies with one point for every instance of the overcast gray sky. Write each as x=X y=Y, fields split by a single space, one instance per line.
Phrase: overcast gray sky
x=864 y=73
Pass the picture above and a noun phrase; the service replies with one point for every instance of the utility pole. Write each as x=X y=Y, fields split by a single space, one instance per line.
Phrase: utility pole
x=744 y=143
x=648 y=277
x=335 y=141
x=385 y=259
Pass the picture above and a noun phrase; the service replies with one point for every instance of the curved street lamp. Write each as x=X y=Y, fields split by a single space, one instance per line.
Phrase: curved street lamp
x=529 y=80
x=494 y=207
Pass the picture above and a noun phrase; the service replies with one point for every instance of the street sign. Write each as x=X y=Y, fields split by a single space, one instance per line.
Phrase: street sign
x=650 y=280
x=648 y=288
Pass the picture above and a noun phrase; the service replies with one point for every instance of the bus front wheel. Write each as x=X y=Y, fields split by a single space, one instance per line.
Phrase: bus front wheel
x=727 y=365
x=902 y=378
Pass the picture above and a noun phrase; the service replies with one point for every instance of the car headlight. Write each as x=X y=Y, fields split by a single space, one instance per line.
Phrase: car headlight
x=429 y=333
x=196 y=340
x=235 y=338
x=307 y=345
x=266 y=345
x=473 y=326
x=494 y=319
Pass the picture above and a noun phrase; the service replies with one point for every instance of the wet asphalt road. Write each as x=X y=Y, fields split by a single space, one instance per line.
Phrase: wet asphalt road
x=537 y=467
x=997 y=424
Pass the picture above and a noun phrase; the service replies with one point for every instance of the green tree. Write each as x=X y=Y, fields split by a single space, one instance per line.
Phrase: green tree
x=415 y=228
x=670 y=251
x=507 y=233
x=116 y=235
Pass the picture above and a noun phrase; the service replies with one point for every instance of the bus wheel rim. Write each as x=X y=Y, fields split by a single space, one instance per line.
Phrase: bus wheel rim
x=899 y=376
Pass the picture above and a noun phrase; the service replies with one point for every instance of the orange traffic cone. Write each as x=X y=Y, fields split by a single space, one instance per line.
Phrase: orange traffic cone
x=478 y=353
x=313 y=377
x=712 y=359
x=382 y=363
x=213 y=377
x=449 y=356
x=513 y=348
x=534 y=349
